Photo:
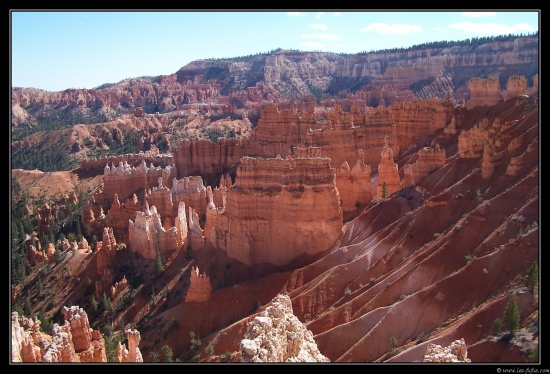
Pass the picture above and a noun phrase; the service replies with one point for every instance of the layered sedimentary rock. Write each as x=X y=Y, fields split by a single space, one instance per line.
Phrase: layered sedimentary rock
x=201 y=156
x=196 y=237
x=118 y=287
x=429 y=159
x=147 y=234
x=388 y=174
x=338 y=137
x=484 y=92
x=472 y=142
x=35 y=256
x=455 y=352
x=106 y=250
x=277 y=335
x=74 y=341
x=132 y=353
x=118 y=216
x=416 y=119
x=124 y=180
x=354 y=184
x=200 y=288
x=515 y=85
x=277 y=210
x=490 y=160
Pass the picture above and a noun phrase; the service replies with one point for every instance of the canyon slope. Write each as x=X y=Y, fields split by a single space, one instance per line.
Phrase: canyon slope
x=320 y=230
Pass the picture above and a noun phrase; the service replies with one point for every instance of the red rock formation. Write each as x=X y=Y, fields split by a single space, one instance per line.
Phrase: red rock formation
x=429 y=160
x=118 y=287
x=147 y=234
x=483 y=92
x=196 y=238
x=132 y=354
x=354 y=184
x=200 y=289
x=490 y=160
x=123 y=180
x=201 y=156
x=417 y=119
x=74 y=341
x=35 y=256
x=388 y=174
x=277 y=210
x=106 y=250
x=472 y=142
x=515 y=85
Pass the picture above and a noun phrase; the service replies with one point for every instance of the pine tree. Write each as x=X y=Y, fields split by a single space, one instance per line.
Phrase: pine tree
x=532 y=277
x=511 y=316
x=384 y=190
x=168 y=354
x=159 y=266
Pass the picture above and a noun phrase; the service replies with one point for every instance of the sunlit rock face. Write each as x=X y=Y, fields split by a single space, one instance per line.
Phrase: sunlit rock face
x=278 y=210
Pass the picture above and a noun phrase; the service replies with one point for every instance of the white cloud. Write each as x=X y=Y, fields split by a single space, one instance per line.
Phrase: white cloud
x=319 y=15
x=396 y=28
x=479 y=14
x=292 y=14
x=322 y=36
x=317 y=26
x=492 y=28
x=337 y=14
x=317 y=45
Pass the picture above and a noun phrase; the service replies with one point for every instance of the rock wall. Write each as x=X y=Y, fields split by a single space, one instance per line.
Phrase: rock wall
x=472 y=142
x=124 y=180
x=277 y=210
x=354 y=184
x=147 y=234
x=484 y=92
x=202 y=157
x=419 y=118
x=429 y=160
x=200 y=289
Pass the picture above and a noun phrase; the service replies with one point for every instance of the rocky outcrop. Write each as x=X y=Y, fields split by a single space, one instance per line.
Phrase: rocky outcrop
x=385 y=77
x=490 y=160
x=456 y=352
x=147 y=234
x=388 y=174
x=200 y=288
x=429 y=159
x=278 y=210
x=74 y=341
x=354 y=184
x=484 y=92
x=203 y=157
x=276 y=335
x=471 y=143
x=515 y=85
x=417 y=119
x=124 y=180
x=132 y=353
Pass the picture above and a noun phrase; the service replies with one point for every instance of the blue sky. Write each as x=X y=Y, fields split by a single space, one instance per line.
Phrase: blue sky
x=56 y=50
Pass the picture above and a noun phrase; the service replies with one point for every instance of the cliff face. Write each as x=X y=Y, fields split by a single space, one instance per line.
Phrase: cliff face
x=277 y=210
x=386 y=76
x=430 y=265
